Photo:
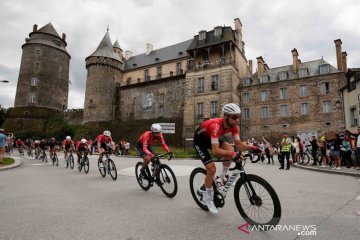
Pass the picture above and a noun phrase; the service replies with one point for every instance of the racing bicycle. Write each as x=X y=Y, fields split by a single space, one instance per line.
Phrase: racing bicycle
x=69 y=159
x=161 y=174
x=255 y=199
x=107 y=165
x=55 y=160
x=84 y=162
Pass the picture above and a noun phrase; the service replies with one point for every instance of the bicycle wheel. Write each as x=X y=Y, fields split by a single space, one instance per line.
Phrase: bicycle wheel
x=167 y=181
x=101 y=168
x=80 y=165
x=145 y=184
x=45 y=158
x=256 y=158
x=263 y=207
x=86 y=164
x=112 y=169
x=71 y=158
x=197 y=179
x=56 y=160
x=305 y=159
x=53 y=160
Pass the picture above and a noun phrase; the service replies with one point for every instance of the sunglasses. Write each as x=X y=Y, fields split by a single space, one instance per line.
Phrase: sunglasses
x=235 y=117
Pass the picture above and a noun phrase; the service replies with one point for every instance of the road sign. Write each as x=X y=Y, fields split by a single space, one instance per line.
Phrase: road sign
x=168 y=127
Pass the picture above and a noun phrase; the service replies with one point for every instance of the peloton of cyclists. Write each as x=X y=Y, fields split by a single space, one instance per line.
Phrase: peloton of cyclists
x=208 y=136
x=143 y=146
x=81 y=146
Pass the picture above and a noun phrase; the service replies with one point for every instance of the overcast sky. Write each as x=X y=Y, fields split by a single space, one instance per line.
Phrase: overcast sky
x=270 y=29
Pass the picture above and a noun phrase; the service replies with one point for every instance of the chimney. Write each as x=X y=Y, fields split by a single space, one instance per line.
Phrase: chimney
x=295 y=60
x=250 y=67
x=338 y=53
x=260 y=66
x=128 y=55
x=63 y=37
x=344 y=61
x=34 y=28
x=149 y=48
x=238 y=25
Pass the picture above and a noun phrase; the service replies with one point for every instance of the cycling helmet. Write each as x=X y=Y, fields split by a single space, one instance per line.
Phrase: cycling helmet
x=107 y=133
x=83 y=140
x=68 y=138
x=231 y=109
x=156 y=128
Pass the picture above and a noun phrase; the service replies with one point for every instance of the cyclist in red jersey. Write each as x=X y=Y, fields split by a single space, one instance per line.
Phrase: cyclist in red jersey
x=81 y=146
x=68 y=145
x=208 y=136
x=143 y=145
x=103 y=142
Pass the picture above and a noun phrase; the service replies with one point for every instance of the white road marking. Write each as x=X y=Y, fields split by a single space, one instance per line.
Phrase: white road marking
x=179 y=170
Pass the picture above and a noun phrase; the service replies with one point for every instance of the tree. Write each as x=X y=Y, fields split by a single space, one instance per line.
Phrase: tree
x=4 y=113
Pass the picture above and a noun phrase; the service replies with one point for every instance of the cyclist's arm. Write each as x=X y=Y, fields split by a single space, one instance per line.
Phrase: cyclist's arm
x=163 y=144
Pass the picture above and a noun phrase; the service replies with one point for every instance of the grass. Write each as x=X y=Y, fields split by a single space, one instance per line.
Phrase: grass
x=177 y=152
x=8 y=161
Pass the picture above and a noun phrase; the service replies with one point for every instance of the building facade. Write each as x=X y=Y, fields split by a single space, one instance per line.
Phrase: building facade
x=44 y=71
x=351 y=99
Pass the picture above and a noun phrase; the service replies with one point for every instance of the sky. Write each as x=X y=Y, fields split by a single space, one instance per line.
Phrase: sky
x=271 y=29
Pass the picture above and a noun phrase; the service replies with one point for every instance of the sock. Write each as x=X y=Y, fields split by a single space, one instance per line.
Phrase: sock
x=224 y=172
x=209 y=193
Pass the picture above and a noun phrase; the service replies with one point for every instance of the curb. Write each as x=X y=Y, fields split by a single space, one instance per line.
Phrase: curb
x=339 y=172
x=16 y=164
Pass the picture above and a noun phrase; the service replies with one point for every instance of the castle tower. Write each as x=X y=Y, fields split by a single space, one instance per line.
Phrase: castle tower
x=44 y=71
x=104 y=69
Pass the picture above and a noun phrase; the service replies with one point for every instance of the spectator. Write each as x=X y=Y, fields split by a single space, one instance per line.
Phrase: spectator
x=314 y=149
x=346 y=152
x=335 y=151
x=2 y=145
x=127 y=147
x=322 y=145
x=285 y=151
x=357 y=153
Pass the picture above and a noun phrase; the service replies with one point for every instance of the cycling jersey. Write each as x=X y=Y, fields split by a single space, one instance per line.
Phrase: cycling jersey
x=53 y=144
x=19 y=143
x=103 y=139
x=67 y=144
x=214 y=129
x=81 y=146
x=147 y=138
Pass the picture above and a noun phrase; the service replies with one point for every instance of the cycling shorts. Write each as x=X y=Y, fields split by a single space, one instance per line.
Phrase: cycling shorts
x=139 y=149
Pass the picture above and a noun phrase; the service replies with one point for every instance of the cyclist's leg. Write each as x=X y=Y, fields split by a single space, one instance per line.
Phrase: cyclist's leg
x=78 y=157
x=226 y=165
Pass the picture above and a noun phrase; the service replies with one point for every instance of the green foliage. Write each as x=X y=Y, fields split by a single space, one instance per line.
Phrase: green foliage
x=4 y=114
x=8 y=160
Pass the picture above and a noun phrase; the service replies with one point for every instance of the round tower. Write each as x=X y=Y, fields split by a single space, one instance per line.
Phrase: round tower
x=104 y=69
x=44 y=71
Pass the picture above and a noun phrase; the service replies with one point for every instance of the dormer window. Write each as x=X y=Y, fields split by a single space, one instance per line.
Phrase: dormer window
x=57 y=42
x=247 y=81
x=217 y=31
x=303 y=72
x=134 y=64
x=180 y=53
x=324 y=69
x=202 y=35
x=264 y=78
x=283 y=76
x=156 y=59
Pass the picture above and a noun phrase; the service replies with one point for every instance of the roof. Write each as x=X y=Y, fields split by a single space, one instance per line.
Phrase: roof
x=312 y=67
x=48 y=28
x=116 y=44
x=160 y=55
x=226 y=36
x=105 y=49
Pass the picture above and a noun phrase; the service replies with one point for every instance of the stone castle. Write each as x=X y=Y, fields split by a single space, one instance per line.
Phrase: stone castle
x=190 y=80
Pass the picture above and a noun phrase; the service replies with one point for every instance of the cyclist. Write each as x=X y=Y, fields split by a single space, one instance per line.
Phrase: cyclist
x=36 y=147
x=143 y=146
x=207 y=136
x=19 y=145
x=103 y=142
x=53 y=146
x=68 y=145
x=81 y=146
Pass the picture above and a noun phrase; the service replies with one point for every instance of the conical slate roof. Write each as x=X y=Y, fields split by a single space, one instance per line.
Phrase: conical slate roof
x=48 y=28
x=105 y=49
x=116 y=45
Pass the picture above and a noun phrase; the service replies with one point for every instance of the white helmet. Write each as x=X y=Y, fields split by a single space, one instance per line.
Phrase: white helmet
x=156 y=128
x=107 y=133
x=68 y=138
x=83 y=140
x=231 y=109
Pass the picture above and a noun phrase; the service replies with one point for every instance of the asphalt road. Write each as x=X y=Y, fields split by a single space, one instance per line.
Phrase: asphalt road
x=40 y=201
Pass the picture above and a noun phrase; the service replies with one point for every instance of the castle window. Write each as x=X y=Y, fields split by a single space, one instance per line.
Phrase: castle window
x=57 y=42
x=162 y=97
x=264 y=112
x=178 y=68
x=327 y=106
x=200 y=84
x=215 y=83
x=161 y=111
x=284 y=111
x=217 y=31
x=283 y=93
x=158 y=72
x=200 y=110
x=304 y=108
x=245 y=97
x=264 y=78
x=283 y=76
x=247 y=81
x=147 y=102
x=264 y=95
x=214 y=109
x=38 y=52
x=146 y=75
x=128 y=80
x=303 y=91
x=202 y=35
x=36 y=66
x=32 y=97
x=246 y=114
x=303 y=72
x=180 y=53
x=34 y=81
x=325 y=88
x=324 y=68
